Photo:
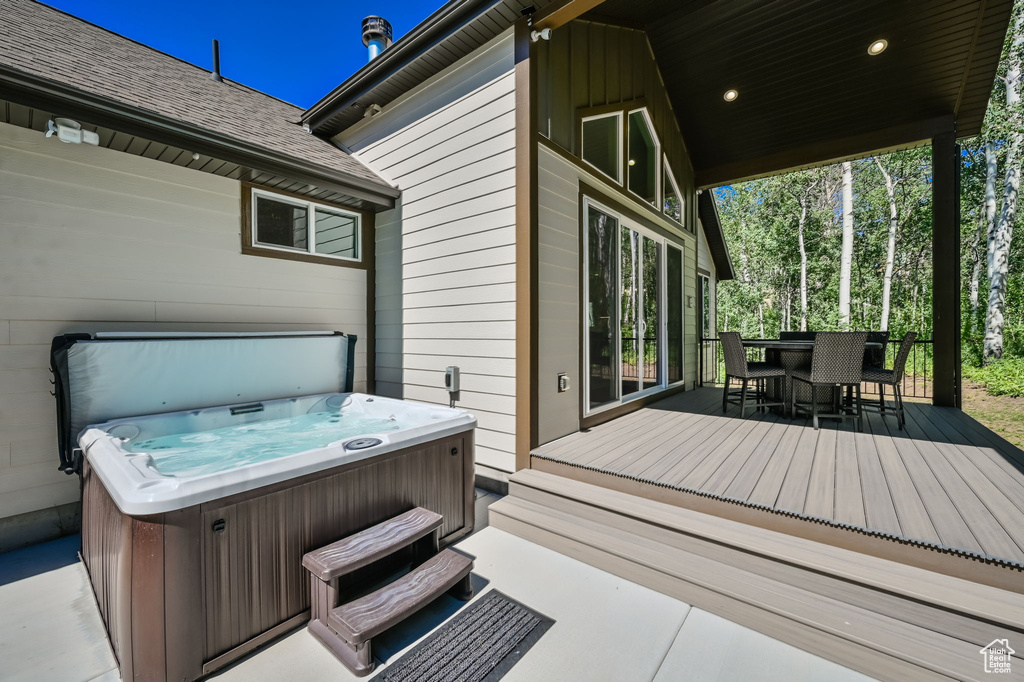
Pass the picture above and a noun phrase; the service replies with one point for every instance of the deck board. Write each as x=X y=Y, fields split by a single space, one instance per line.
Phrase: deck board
x=849 y=492
x=794 y=488
x=769 y=483
x=910 y=509
x=978 y=500
x=697 y=431
x=945 y=480
x=879 y=509
x=821 y=487
x=953 y=531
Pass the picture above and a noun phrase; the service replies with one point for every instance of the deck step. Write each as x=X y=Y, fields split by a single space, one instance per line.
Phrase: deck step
x=885 y=619
x=366 y=617
x=374 y=543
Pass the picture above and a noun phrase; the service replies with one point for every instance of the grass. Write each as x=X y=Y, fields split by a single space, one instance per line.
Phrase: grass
x=1004 y=414
x=1002 y=377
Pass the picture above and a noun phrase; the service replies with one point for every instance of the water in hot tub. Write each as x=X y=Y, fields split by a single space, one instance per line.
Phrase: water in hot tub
x=207 y=452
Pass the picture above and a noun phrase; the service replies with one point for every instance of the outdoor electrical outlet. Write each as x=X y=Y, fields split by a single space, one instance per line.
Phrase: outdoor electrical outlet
x=563 y=382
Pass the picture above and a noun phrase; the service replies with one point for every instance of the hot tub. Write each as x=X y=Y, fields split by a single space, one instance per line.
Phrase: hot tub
x=166 y=462
x=195 y=521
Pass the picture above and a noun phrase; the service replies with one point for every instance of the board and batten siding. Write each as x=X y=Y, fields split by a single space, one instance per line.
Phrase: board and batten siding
x=558 y=214
x=446 y=254
x=92 y=239
x=592 y=64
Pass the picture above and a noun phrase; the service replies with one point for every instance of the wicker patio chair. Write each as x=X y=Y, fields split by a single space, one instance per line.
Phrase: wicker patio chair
x=836 y=363
x=875 y=357
x=737 y=367
x=893 y=378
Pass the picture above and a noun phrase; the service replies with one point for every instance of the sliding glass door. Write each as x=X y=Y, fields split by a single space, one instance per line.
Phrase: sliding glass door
x=602 y=323
x=674 y=314
x=640 y=258
x=633 y=295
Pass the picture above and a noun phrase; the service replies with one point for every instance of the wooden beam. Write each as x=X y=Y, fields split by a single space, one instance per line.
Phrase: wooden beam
x=827 y=152
x=561 y=13
x=946 y=269
x=527 y=345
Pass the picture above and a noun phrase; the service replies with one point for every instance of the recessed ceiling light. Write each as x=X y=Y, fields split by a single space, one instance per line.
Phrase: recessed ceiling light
x=878 y=47
x=730 y=95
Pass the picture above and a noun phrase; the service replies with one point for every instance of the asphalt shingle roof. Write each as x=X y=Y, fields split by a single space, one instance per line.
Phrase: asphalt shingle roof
x=42 y=41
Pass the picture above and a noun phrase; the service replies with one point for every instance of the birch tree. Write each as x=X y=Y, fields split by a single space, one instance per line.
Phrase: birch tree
x=890 y=250
x=1001 y=237
x=846 y=255
x=974 y=287
x=803 y=199
x=803 y=264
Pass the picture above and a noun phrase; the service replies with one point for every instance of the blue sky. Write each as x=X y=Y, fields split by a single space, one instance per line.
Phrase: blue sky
x=297 y=51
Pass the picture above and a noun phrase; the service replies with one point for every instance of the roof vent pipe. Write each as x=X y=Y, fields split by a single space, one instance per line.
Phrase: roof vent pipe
x=376 y=35
x=215 y=74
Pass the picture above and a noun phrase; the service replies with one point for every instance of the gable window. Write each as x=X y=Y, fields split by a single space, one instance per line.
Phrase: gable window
x=601 y=143
x=673 y=204
x=290 y=224
x=643 y=156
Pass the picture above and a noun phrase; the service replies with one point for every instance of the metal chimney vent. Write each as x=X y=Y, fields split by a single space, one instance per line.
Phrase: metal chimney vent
x=376 y=35
x=215 y=74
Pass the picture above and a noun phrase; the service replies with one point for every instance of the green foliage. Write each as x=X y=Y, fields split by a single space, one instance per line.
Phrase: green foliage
x=999 y=121
x=761 y=221
x=1001 y=377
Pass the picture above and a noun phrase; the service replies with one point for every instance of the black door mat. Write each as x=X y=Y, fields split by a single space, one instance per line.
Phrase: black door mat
x=479 y=645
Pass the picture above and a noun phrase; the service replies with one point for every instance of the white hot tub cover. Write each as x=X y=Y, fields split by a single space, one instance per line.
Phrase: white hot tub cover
x=104 y=376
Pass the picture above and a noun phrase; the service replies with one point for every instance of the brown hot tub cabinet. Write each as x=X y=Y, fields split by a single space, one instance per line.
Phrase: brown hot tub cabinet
x=186 y=592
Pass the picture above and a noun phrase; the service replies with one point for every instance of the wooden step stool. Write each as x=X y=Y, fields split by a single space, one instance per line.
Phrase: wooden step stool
x=346 y=629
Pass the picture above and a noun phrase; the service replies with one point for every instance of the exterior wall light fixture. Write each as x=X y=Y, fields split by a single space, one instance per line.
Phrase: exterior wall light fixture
x=70 y=132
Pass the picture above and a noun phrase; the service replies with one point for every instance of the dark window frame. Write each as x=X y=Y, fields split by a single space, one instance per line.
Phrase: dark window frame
x=252 y=247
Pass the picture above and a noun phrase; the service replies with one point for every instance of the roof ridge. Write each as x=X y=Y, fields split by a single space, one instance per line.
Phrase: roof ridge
x=165 y=54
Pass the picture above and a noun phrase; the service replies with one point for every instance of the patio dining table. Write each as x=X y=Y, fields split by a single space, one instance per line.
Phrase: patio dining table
x=791 y=354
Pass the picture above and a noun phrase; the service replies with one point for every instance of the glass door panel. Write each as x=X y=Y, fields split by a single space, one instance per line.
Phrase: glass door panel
x=650 y=325
x=630 y=304
x=602 y=308
x=640 y=258
x=674 y=313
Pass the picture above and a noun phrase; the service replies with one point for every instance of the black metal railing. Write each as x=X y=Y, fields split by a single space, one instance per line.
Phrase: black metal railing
x=917 y=378
x=630 y=352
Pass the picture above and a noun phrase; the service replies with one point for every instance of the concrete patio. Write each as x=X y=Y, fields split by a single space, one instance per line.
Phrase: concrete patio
x=606 y=628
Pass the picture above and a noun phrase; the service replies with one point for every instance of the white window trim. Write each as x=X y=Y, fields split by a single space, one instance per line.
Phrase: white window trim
x=311 y=208
x=618 y=146
x=679 y=195
x=659 y=202
x=662 y=295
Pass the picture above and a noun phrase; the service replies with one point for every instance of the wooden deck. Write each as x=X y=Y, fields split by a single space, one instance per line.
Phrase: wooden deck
x=885 y=619
x=945 y=494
